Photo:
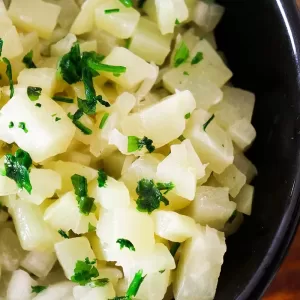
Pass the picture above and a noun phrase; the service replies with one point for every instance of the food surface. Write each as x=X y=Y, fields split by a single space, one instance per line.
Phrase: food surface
x=122 y=140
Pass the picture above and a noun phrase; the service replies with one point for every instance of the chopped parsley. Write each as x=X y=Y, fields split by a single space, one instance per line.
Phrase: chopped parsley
x=135 y=284
x=98 y=66
x=127 y=43
x=208 y=122
x=232 y=217
x=85 y=271
x=102 y=178
x=17 y=168
x=37 y=289
x=197 y=58
x=167 y=187
x=150 y=196
x=187 y=116
x=63 y=234
x=75 y=119
x=135 y=144
x=57 y=119
x=34 y=93
x=125 y=243
x=141 y=3
x=98 y=282
x=1 y=46
x=62 y=99
x=22 y=126
x=127 y=3
x=174 y=248
x=103 y=120
x=181 y=55
x=111 y=11
x=181 y=138
x=91 y=228
x=177 y=22
x=186 y=73
x=27 y=60
x=11 y=124
x=86 y=204
x=38 y=105
x=9 y=76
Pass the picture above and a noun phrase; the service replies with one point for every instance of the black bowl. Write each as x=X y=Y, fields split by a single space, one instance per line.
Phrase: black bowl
x=261 y=40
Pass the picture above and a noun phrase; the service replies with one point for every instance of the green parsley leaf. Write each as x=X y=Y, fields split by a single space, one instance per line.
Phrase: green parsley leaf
x=86 y=204
x=187 y=116
x=149 y=196
x=1 y=46
x=110 y=11
x=98 y=282
x=232 y=217
x=162 y=271
x=57 y=119
x=208 y=121
x=127 y=3
x=177 y=22
x=134 y=144
x=11 y=124
x=62 y=99
x=85 y=271
x=181 y=55
x=22 y=125
x=34 y=93
x=167 y=187
x=125 y=243
x=9 y=76
x=186 y=73
x=27 y=60
x=127 y=43
x=79 y=125
x=197 y=58
x=38 y=288
x=174 y=248
x=17 y=168
x=102 y=178
x=98 y=66
x=135 y=284
x=181 y=138
x=63 y=234
x=38 y=105
x=91 y=228
x=103 y=120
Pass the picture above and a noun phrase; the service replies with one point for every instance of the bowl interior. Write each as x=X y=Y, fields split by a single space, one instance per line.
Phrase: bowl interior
x=260 y=42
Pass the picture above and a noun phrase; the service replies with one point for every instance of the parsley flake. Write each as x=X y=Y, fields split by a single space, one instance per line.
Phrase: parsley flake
x=22 y=126
x=98 y=282
x=125 y=243
x=17 y=168
x=103 y=120
x=110 y=11
x=187 y=116
x=186 y=73
x=174 y=248
x=63 y=234
x=167 y=187
x=9 y=76
x=135 y=284
x=75 y=119
x=11 y=124
x=135 y=144
x=91 y=228
x=181 y=138
x=150 y=196
x=38 y=105
x=1 y=46
x=177 y=22
x=37 y=289
x=57 y=119
x=181 y=55
x=197 y=58
x=102 y=178
x=127 y=3
x=34 y=93
x=27 y=60
x=208 y=122
x=141 y=3
x=62 y=99
x=85 y=271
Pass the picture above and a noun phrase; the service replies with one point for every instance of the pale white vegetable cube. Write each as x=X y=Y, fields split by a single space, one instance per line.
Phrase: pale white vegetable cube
x=3 y=217
x=204 y=179
x=34 y=15
x=69 y=251
x=233 y=227
x=39 y=263
x=181 y=10
x=67 y=170
x=77 y=157
x=63 y=46
x=245 y=166
x=19 y=287
x=148 y=43
x=154 y=261
x=114 y=274
x=98 y=293
x=45 y=136
x=113 y=164
x=173 y=226
x=127 y=224
x=199 y=266
x=11 y=252
x=44 y=78
x=64 y=214
x=59 y=291
x=120 y=24
x=34 y=234
x=87 y=46
x=191 y=6
x=12 y=46
x=113 y=195
x=85 y=20
x=213 y=144
x=137 y=69
x=150 y=121
x=182 y=167
x=232 y=178
x=242 y=134
x=211 y=206
x=207 y=15
x=44 y=184
x=244 y=199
